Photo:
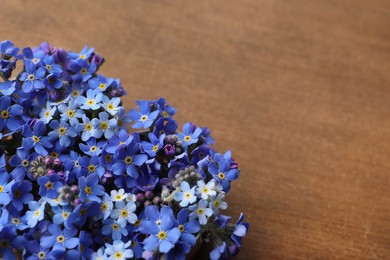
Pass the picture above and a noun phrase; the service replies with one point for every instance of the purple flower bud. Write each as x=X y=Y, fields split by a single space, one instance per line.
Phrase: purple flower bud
x=106 y=178
x=48 y=160
x=97 y=59
x=233 y=164
x=50 y=172
x=75 y=189
x=57 y=162
x=169 y=149
x=76 y=202
x=149 y=194
x=233 y=250
x=147 y=203
x=140 y=196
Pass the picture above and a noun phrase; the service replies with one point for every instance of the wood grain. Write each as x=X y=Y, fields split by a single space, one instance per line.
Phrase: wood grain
x=298 y=90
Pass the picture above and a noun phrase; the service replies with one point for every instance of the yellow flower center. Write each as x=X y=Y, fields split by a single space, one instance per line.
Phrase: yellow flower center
x=110 y=106
x=48 y=66
x=155 y=148
x=216 y=203
x=1 y=188
x=25 y=163
x=104 y=125
x=49 y=185
x=137 y=223
x=31 y=77
x=54 y=155
x=108 y=158
x=181 y=228
x=129 y=160
x=83 y=71
x=115 y=226
x=187 y=138
x=93 y=148
x=62 y=130
x=144 y=118
x=4 y=114
x=82 y=212
x=88 y=126
x=104 y=206
x=37 y=213
x=82 y=56
x=90 y=102
x=36 y=139
x=65 y=214
x=41 y=255
x=47 y=114
x=60 y=239
x=17 y=193
x=124 y=213
x=70 y=113
x=118 y=255
x=16 y=221
x=221 y=175
x=187 y=195
x=206 y=190
x=102 y=85
x=75 y=93
x=162 y=235
x=200 y=211
x=91 y=168
x=88 y=190
x=165 y=114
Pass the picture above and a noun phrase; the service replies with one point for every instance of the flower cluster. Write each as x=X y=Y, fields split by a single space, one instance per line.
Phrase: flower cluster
x=82 y=178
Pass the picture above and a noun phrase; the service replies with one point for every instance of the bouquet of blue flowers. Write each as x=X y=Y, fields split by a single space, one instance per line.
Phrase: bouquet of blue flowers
x=81 y=178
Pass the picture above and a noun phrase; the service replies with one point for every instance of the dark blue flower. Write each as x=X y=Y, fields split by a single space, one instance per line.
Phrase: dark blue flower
x=221 y=171
x=63 y=132
x=20 y=194
x=100 y=82
x=161 y=228
x=5 y=187
x=83 y=70
x=82 y=212
x=144 y=118
x=89 y=188
x=10 y=241
x=49 y=186
x=89 y=166
x=155 y=144
x=220 y=252
x=34 y=138
x=118 y=142
x=190 y=134
x=187 y=228
x=92 y=148
x=60 y=239
x=9 y=114
x=128 y=161
x=240 y=230
x=33 y=77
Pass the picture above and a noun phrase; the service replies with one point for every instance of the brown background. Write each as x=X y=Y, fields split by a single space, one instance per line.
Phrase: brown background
x=298 y=90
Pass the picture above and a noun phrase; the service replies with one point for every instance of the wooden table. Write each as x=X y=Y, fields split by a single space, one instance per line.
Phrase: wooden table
x=298 y=90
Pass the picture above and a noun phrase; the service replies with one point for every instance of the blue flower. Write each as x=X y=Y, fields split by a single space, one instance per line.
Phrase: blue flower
x=103 y=126
x=92 y=148
x=222 y=172
x=144 y=118
x=160 y=226
x=62 y=131
x=114 y=228
x=201 y=212
x=123 y=212
x=70 y=110
x=9 y=241
x=84 y=54
x=32 y=77
x=240 y=230
x=89 y=188
x=8 y=88
x=35 y=138
x=165 y=109
x=119 y=250
x=5 y=187
x=61 y=214
x=89 y=166
x=91 y=101
x=82 y=212
x=60 y=239
x=87 y=128
x=51 y=67
x=83 y=70
x=35 y=57
x=49 y=186
x=111 y=105
x=53 y=81
x=190 y=134
x=38 y=252
x=20 y=194
x=35 y=214
x=155 y=144
x=187 y=228
x=8 y=114
x=128 y=160
x=100 y=82
x=219 y=252
x=118 y=142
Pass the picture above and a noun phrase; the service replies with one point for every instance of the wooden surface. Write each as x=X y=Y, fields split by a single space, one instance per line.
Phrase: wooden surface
x=298 y=90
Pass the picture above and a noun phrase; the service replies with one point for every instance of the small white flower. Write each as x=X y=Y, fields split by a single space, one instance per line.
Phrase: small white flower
x=206 y=190
x=119 y=250
x=118 y=195
x=186 y=195
x=201 y=212
x=106 y=206
x=124 y=213
x=217 y=203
